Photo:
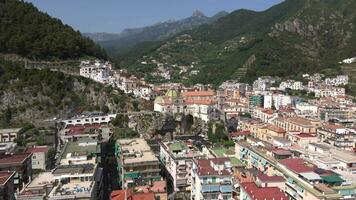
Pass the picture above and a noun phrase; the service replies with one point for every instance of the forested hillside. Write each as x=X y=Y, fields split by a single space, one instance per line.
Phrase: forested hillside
x=26 y=31
x=287 y=40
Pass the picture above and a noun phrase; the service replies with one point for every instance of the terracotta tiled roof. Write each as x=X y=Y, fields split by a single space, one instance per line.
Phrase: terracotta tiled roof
x=268 y=179
x=305 y=135
x=159 y=186
x=240 y=133
x=144 y=196
x=263 y=193
x=275 y=128
x=15 y=159
x=37 y=149
x=298 y=165
x=200 y=102
x=332 y=126
x=198 y=93
x=5 y=176
x=299 y=121
x=205 y=168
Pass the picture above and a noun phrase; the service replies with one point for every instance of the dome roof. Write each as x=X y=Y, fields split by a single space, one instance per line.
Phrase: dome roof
x=171 y=93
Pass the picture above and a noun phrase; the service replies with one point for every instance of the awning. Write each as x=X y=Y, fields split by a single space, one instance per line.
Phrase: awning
x=334 y=179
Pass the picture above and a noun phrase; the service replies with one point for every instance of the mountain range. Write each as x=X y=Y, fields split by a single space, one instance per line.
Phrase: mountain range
x=118 y=43
x=286 y=40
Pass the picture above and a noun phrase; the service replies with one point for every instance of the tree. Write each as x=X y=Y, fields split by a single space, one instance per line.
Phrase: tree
x=5 y=118
x=121 y=121
x=105 y=109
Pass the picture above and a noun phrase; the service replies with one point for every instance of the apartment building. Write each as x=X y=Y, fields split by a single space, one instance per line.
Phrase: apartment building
x=39 y=156
x=177 y=160
x=137 y=164
x=22 y=165
x=211 y=179
x=338 y=136
x=78 y=176
x=7 y=191
x=9 y=135
x=297 y=124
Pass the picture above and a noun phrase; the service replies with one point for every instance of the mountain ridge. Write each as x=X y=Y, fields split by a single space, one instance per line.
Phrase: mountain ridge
x=118 y=43
x=290 y=38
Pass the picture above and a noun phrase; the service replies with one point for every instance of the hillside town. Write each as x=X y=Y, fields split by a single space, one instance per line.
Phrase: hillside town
x=290 y=140
x=120 y=100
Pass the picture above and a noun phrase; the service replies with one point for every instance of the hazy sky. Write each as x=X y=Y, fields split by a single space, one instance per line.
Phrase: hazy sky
x=116 y=15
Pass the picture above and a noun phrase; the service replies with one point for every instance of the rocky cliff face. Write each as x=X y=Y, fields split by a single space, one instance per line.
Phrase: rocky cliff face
x=43 y=94
x=165 y=126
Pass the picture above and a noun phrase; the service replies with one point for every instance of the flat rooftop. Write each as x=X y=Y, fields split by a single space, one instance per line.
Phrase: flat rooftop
x=74 y=169
x=81 y=147
x=9 y=130
x=136 y=151
x=41 y=180
x=78 y=189
x=343 y=156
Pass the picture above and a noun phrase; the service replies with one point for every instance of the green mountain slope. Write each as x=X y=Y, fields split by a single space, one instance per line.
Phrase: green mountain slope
x=289 y=39
x=120 y=43
x=31 y=95
x=26 y=31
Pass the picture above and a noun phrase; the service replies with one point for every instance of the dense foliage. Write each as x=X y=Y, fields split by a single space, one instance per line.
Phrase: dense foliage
x=26 y=31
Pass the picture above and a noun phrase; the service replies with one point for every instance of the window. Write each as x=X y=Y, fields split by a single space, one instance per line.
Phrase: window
x=214 y=179
x=205 y=180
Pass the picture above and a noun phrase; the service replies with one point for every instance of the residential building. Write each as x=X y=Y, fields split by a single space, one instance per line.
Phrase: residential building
x=88 y=120
x=262 y=84
x=7 y=189
x=78 y=176
x=177 y=158
x=89 y=131
x=302 y=139
x=9 y=135
x=7 y=148
x=338 y=136
x=250 y=191
x=267 y=101
x=211 y=179
x=255 y=101
x=136 y=162
x=297 y=124
x=281 y=100
x=22 y=165
x=39 y=156
x=39 y=188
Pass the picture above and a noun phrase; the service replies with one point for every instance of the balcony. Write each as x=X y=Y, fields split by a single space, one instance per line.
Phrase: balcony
x=210 y=188
x=181 y=182
x=226 y=188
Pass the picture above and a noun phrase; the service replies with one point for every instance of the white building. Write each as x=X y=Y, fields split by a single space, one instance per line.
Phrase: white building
x=267 y=101
x=291 y=84
x=338 y=80
x=78 y=175
x=177 y=159
x=89 y=119
x=280 y=100
x=306 y=109
x=329 y=92
x=9 y=135
x=262 y=84
x=39 y=156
